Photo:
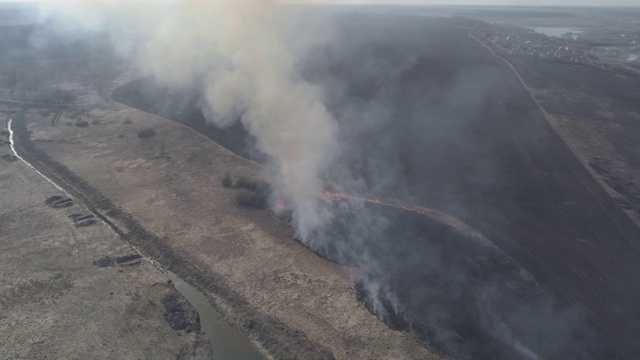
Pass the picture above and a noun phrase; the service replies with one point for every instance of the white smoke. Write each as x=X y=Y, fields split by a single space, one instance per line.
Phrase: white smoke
x=245 y=56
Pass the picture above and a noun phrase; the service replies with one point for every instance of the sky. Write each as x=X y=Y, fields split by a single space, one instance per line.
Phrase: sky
x=408 y=2
x=499 y=2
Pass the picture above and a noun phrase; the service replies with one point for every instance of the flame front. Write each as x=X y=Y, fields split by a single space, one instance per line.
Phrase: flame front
x=335 y=195
x=281 y=206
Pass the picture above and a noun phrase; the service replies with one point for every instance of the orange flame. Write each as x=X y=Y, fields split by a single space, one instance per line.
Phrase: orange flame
x=335 y=195
x=281 y=205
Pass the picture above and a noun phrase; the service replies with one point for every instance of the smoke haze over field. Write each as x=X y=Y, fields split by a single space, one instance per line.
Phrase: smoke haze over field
x=383 y=105
x=246 y=61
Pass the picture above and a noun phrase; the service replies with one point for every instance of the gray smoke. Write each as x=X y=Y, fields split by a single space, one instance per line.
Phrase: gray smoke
x=245 y=60
x=277 y=69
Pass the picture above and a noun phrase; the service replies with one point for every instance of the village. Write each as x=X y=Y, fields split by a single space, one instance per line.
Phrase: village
x=575 y=46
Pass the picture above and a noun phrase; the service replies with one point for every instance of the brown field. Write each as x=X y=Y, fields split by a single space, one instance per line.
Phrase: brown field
x=290 y=301
x=459 y=133
x=71 y=288
x=509 y=174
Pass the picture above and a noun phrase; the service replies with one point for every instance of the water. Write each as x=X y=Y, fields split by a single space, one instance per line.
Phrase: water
x=556 y=31
x=226 y=342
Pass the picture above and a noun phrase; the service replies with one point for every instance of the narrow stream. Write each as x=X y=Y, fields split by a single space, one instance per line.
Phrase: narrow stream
x=226 y=342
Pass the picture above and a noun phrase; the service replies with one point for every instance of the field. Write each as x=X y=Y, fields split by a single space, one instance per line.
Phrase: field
x=427 y=119
x=70 y=286
x=283 y=297
x=455 y=131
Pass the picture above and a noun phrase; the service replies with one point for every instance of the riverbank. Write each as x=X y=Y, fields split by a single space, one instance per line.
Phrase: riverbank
x=70 y=288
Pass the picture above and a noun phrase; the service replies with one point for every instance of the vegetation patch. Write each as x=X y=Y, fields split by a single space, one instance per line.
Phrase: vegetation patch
x=226 y=181
x=127 y=258
x=82 y=123
x=146 y=133
x=253 y=193
x=9 y=158
x=104 y=262
x=83 y=220
x=251 y=199
x=177 y=314
x=58 y=201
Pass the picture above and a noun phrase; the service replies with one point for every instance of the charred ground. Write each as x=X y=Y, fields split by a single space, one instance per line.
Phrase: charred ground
x=449 y=127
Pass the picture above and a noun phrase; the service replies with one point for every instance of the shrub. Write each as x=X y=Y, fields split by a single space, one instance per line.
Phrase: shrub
x=104 y=262
x=226 y=181
x=146 y=133
x=127 y=121
x=246 y=183
x=251 y=199
x=95 y=122
x=82 y=123
x=69 y=123
x=127 y=258
x=121 y=136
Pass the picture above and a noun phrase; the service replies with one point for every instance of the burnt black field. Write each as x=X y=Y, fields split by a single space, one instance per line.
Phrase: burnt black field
x=431 y=118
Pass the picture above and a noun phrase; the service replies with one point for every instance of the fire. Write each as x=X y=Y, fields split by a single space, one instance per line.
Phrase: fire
x=335 y=195
x=279 y=210
x=281 y=206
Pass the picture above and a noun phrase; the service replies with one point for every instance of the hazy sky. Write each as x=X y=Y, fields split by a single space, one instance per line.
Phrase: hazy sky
x=500 y=2
x=413 y=2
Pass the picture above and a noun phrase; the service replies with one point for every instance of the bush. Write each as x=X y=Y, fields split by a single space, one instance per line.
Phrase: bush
x=82 y=123
x=95 y=122
x=69 y=123
x=246 y=183
x=127 y=121
x=226 y=181
x=146 y=133
x=251 y=199
x=120 y=136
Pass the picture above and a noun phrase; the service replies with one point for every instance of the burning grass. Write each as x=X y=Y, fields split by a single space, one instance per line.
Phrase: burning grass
x=420 y=274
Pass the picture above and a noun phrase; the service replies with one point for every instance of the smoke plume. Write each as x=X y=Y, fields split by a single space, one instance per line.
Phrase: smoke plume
x=397 y=113
x=243 y=57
